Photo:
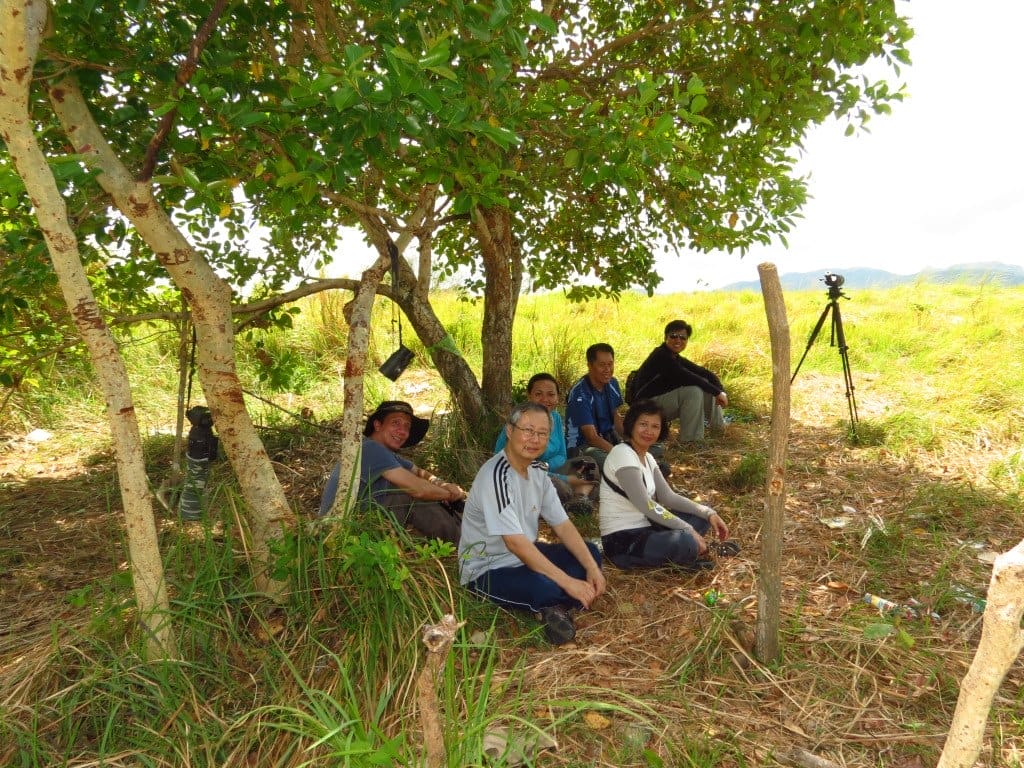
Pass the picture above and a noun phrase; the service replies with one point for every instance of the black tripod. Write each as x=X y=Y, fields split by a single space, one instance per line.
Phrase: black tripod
x=834 y=293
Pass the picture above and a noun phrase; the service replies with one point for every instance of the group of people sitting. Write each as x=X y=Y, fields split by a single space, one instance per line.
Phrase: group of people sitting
x=539 y=469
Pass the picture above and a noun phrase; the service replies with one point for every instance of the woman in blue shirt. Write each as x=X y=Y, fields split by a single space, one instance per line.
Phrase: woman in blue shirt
x=543 y=389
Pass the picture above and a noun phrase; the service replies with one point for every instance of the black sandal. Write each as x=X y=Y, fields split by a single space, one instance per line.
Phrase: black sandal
x=726 y=548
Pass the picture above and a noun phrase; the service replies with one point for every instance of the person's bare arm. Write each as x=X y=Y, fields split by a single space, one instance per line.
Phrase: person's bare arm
x=594 y=440
x=420 y=484
x=569 y=535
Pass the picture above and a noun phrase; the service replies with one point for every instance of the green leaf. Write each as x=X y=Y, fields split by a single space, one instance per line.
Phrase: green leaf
x=541 y=20
x=291 y=179
x=695 y=86
x=905 y=639
x=430 y=99
x=444 y=72
x=246 y=119
x=190 y=179
x=878 y=630
x=400 y=53
x=698 y=103
x=439 y=54
x=571 y=159
x=355 y=54
x=343 y=98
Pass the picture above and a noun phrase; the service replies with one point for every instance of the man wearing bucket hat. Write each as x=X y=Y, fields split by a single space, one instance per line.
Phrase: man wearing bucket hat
x=415 y=497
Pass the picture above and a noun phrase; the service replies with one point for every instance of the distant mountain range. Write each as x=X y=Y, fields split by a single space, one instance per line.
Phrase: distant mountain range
x=988 y=272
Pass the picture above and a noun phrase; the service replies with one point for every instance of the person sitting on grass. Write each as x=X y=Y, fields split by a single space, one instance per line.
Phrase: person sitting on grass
x=685 y=390
x=500 y=557
x=567 y=475
x=414 y=497
x=593 y=421
x=644 y=522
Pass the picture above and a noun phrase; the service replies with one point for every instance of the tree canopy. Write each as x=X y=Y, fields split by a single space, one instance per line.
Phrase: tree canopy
x=572 y=141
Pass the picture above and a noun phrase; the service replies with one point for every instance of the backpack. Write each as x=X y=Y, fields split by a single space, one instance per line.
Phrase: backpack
x=635 y=387
x=630 y=394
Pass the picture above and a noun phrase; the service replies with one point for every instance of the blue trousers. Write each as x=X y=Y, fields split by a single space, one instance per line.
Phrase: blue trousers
x=519 y=587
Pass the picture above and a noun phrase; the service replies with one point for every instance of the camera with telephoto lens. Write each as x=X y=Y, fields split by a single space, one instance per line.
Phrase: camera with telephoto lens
x=587 y=470
x=202 y=443
x=832 y=280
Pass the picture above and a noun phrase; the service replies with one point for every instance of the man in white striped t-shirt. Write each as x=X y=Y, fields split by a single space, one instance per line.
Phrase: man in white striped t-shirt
x=499 y=555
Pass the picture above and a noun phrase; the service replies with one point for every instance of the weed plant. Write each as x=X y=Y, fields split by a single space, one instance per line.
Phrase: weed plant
x=327 y=679
x=329 y=676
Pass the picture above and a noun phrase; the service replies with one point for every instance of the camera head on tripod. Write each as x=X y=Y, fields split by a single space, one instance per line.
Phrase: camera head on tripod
x=834 y=283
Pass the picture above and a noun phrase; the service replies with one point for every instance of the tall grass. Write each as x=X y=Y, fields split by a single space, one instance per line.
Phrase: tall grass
x=943 y=365
x=329 y=677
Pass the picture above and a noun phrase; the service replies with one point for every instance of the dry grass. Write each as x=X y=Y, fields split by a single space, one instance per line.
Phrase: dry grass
x=654 y=644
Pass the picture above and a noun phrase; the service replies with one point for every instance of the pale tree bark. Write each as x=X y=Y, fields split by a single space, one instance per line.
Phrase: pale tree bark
x=1002 y=640
x=21 y=26
x=357 y=314
x=769 y=583
x=209 y=299
x=504 y=279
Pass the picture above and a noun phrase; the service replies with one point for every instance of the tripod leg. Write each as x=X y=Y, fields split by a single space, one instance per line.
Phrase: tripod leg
x=810 y=340
x=840 y=336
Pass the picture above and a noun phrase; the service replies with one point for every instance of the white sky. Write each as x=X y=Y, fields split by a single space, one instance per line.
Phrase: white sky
x=938 y=182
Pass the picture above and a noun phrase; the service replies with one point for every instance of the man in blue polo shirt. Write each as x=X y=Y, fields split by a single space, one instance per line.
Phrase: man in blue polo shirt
x=593 y=423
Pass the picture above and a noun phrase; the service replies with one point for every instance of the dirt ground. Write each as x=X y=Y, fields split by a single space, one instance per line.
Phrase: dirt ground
x=842 y=692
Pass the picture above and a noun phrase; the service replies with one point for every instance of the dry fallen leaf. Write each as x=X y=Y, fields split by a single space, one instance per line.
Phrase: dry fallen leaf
x=792 y=727
x=596 y=722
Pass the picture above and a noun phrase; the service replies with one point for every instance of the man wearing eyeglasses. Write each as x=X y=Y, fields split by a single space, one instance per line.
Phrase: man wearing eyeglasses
x=500 y=557
x=684 y=390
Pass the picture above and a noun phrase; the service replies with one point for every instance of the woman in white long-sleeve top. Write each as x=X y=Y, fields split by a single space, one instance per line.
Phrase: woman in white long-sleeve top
x=644 y=522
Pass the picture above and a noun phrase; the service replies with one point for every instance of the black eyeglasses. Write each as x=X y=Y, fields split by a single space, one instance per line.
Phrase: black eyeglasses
x=682 y=336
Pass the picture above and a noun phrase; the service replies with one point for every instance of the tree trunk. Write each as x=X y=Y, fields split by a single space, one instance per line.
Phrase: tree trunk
x=21 y=25
x=448 y=360
x=504 y=278
x=209 y=299
x=1001 y=642
x=769 y=585
x=357 y=313
x=454 y=370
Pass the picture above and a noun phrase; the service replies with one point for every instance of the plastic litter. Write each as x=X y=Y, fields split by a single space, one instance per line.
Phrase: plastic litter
x=912 y=609
x=963 y=595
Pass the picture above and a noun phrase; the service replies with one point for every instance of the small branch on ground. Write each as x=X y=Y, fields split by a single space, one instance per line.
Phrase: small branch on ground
x=438 y=638
x=801 y=758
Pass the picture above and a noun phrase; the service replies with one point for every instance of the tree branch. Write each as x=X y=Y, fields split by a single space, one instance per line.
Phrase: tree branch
x=185 y=71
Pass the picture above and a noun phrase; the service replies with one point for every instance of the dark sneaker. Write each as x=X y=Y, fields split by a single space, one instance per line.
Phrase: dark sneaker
x=698 y=566
x=558 y=625
x=726 y=548
x=579 y=506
